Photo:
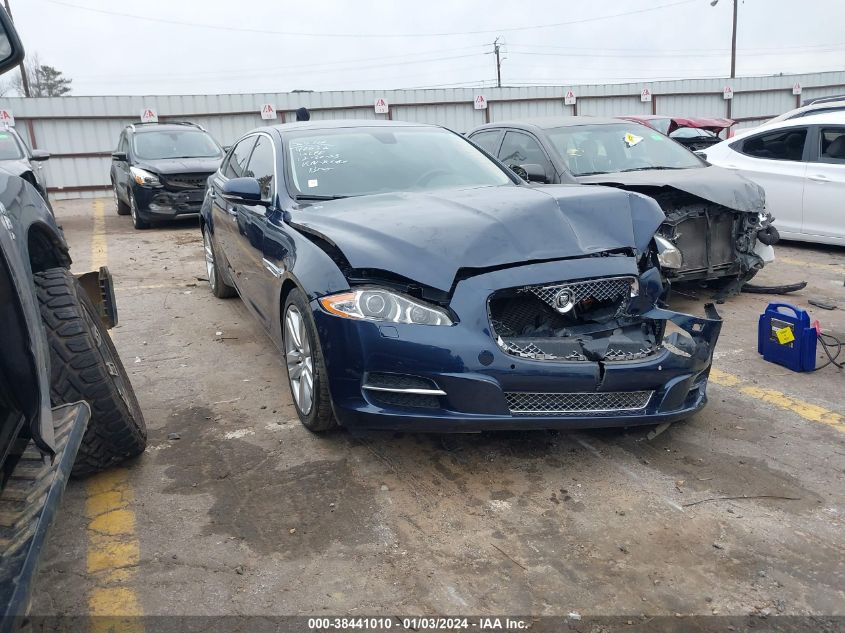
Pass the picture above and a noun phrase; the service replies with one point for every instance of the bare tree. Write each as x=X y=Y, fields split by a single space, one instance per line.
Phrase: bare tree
x=44 y=80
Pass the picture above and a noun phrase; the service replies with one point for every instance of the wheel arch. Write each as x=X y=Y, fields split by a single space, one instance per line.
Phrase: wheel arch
x=46 y=249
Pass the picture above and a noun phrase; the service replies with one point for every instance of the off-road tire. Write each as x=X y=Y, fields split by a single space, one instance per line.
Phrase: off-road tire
x=85 y=366
x=121 y=207
x=321 y=418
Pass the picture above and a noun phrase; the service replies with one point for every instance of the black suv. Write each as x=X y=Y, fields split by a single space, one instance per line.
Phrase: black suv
x=159 y=170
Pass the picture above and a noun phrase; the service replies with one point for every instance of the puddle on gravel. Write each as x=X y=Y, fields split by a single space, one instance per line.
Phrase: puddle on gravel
x=257 y=499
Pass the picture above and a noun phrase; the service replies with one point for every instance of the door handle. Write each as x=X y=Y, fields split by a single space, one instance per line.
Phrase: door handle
x=820 y=178
x=211 y=194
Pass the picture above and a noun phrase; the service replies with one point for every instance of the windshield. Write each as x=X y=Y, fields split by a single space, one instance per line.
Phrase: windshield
x=360 y=161
x=603 y=149
x=175 y=144
x=9 y=147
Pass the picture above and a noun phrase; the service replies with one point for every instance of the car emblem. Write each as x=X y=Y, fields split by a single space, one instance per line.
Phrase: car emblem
x=564 y=300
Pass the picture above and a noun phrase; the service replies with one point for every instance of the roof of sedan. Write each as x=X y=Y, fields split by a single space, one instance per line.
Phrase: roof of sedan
x=330 y=124
x=548 y=123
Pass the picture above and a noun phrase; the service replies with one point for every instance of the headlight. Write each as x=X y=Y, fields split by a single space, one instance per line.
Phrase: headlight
x=378 y=304
x=143 y=177
x=668 y=255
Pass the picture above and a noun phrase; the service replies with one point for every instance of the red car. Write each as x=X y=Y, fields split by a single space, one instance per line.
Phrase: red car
x=692 y=132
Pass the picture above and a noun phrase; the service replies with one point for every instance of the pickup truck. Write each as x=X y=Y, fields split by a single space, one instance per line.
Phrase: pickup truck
x=66 y=404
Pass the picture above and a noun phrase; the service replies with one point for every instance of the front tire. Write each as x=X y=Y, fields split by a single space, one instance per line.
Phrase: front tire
x=84 y=365
x=306 y=367
x=219 y=287
x=137 y=221
x=120 y=205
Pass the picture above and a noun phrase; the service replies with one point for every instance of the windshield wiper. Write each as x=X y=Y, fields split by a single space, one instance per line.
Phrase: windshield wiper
x=590 y=173
x=306 y=196
x=650 y=168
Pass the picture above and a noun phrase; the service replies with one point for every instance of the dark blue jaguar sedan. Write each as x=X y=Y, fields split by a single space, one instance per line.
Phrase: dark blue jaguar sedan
x=413 y=282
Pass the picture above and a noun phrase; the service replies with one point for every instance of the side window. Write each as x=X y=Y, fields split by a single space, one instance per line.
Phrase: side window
x=831 y=145
x=521 y=149
x=786 y=144
x=122 y=143
x=262 y=166
x=237 y=158
x=487 y=140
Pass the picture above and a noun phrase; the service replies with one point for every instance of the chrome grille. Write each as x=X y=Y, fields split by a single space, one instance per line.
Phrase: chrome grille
x=610 y=289
x=620 y=402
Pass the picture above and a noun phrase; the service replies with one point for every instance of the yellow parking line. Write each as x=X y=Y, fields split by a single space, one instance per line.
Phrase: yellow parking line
x=836 y=268
x=113 y=547
x=806 y=410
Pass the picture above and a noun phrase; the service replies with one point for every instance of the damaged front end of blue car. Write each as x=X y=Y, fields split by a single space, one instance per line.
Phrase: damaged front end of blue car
x=582 y=341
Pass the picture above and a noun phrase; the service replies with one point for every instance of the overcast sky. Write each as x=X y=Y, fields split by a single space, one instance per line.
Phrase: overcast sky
x=216 y=46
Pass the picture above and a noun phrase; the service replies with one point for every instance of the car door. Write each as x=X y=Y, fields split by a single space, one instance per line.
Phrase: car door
x=255 y=275
x=775 y=160
x=120 y=169
x=224 y=213
x=520 y=148
x=824 y=189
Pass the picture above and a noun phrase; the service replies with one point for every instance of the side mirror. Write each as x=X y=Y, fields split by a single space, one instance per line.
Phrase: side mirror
x=243 y=191
x=11 y=49
x=40 y=154
x=531 y=172
x=119 y=156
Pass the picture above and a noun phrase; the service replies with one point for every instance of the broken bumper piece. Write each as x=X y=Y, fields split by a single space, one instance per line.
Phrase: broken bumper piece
x=457 y=379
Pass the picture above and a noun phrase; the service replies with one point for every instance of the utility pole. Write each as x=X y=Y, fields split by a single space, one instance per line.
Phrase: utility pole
x=713 y=3
x=24 y=78
x=498 y=63
x=733 y=43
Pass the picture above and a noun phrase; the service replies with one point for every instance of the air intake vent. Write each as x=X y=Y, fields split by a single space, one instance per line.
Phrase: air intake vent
x=619 y=402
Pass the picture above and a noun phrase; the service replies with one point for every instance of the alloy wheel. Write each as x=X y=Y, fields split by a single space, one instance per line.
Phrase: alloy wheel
x=299 y=361
x=209 y=260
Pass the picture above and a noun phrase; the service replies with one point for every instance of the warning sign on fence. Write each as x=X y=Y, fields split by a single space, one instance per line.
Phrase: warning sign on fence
x=381 y=105
x=148 y=115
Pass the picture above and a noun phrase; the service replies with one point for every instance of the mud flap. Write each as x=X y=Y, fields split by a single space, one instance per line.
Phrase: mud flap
x=99 y=287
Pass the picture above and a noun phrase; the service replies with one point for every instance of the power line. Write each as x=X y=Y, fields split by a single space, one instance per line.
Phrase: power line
x=291 y=70
x=160 y=20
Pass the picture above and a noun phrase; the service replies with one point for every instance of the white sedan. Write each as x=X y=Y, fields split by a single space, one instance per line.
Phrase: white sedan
x=801 y=164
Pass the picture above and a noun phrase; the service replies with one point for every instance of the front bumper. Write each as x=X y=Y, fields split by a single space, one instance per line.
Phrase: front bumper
x=158 y=202
x=476 y=376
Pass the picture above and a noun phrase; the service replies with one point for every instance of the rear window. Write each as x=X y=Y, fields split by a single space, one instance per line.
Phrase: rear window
x=785 y=144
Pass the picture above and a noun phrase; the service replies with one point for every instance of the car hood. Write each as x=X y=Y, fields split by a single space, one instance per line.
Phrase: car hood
x=180 y=165
x=711 y=183
x=429 y=237
x=15 y=167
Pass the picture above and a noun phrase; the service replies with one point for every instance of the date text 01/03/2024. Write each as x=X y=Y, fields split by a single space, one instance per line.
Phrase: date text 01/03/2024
x=417 y=623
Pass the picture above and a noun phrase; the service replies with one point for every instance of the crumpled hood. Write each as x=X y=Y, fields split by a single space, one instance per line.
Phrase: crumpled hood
x=15 y=167
x=712 y=183
x=428 y=237
x=167 y=166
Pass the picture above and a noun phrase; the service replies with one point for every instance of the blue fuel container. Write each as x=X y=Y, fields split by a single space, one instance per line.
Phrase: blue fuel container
x=786 y=337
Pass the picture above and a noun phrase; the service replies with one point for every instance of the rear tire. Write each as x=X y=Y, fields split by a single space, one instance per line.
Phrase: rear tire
x=304 y=362
x=85 y=366
x=120 y=205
